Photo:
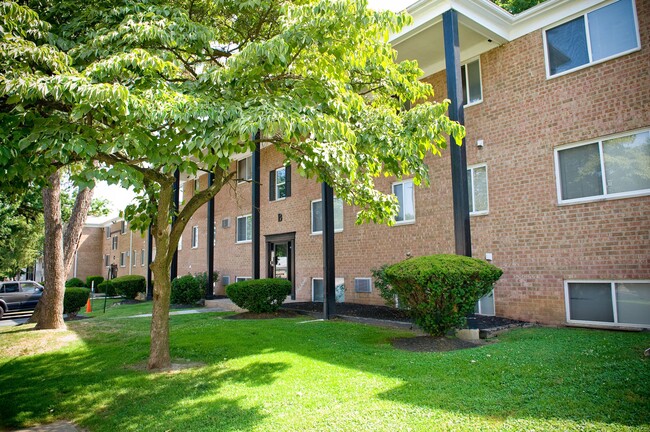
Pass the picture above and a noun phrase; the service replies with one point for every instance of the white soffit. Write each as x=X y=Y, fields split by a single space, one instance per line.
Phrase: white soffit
x=482 y=27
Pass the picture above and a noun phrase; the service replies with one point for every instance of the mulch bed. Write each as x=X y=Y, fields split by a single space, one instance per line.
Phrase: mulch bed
x=271 y=315
x=392 y=314
x=433 y=344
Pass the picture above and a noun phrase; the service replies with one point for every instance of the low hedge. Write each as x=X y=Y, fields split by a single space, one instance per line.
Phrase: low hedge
x=441 y=290
x=107 y=288
x=186 y=290
x=74 y=299
x=260 y=295
x=74 y=283
x=96 y=279
x=129 y=286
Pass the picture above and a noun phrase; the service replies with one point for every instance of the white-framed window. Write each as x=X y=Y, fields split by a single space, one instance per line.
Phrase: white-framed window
x=180 y=243
x=181 y=193
x=114 y=243
x=599 y=35
x=122 y=259
x=624 y=302
x=225 y=280
x=134 y=257
x=471 y=82
x=197 y=185
x=242 y=278
x=405 y=194
x=245 y=169
x=107 y=231
x=195 y=236
x=615 y=167
x=142 y=261
x=317 y=216
x=485 y=305
x=280 y=183
x=107 y=260
x=318 y=290
x=123 y=227
x=244 y=229
x=363 y=285
x=477 y=189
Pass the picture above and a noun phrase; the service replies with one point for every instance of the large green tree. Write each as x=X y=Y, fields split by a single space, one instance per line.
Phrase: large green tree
x=151 y=87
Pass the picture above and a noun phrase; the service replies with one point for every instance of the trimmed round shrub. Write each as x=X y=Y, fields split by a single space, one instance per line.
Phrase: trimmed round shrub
x=259 y=295
x=96 y=279
x=186 y=290
x=74 y=283
x=107 y=288
x=129 y=286
x=74 y=299
x=202 y=279
x=441 y=290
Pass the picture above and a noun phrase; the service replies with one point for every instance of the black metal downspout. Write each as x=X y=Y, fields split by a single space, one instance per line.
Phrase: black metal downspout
x=209 y=290
x=149 y=258
x=177 y=185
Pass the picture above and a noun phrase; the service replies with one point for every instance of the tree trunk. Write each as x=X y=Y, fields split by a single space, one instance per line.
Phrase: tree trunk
x=50 y=310
x=69 y=242
x=159 y=357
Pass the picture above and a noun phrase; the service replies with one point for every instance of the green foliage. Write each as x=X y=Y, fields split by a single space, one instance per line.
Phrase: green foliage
x=441 y=290
x=74 y=299
x=517 y=6
x=186 y=290
x=94 y=281
x=129 y=286
x=386 y=291
x=74 y=283
x=21 y=232
x=107 y=288
x=202 y=279
x=259 y=296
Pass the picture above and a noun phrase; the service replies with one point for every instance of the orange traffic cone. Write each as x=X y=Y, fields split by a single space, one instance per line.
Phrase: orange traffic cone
x=89 y=306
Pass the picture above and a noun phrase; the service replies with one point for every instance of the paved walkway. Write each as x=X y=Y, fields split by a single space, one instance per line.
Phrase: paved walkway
x=60 y=426
x=217 y=305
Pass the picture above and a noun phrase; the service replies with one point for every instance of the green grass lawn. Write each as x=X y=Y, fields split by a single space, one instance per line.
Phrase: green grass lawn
x=283 y=375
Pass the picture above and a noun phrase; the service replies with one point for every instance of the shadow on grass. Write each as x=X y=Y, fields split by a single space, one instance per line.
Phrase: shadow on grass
x=579 y=376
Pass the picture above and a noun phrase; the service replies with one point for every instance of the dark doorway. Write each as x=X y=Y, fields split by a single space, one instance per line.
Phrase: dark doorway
x=280 y=258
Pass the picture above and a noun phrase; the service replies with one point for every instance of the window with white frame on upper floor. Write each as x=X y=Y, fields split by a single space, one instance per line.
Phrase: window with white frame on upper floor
x=608 y=302
x=280 y=183
x=107 y=260
x=134 y=257
x=615 y=167
x=244 y=229
x=195 y=237
x=142 y=258
x=180 y=243
x=317 y=216
x=471 y=82
x=114 y=243
x=122 y=259
x=181 y=193
x=107 y=231
x=197 y=185
x=603 y=33
x=123 y=227
x=406 y=197
x=245 y=169
x=477 y=189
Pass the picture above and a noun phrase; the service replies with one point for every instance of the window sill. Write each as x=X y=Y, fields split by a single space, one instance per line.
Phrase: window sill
x=605 y=325
x=600 y=198
x=320 y=233
x=195 y=247
x=471 y=104
x=483 y=213
x=278 y=199
x=405 y=223
x=244 y=242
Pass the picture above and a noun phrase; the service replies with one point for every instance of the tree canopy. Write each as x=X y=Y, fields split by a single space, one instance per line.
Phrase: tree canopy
x=146 y=88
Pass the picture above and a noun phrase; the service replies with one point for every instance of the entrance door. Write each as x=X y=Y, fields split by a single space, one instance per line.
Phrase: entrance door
x=280 y=258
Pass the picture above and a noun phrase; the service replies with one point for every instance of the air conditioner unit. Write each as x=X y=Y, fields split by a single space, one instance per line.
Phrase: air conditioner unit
x=225 y=223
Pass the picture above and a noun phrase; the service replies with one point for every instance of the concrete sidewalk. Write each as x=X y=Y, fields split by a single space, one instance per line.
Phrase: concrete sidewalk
x=217 y=305
x=60 y=426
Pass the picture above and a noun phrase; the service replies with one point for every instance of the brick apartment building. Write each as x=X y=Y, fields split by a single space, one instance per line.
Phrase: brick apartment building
x=557 y=111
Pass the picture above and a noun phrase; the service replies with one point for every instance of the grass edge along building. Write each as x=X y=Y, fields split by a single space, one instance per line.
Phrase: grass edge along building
x=556 y=103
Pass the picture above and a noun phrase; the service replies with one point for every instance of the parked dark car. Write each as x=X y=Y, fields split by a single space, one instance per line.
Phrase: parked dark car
x=19 y=295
